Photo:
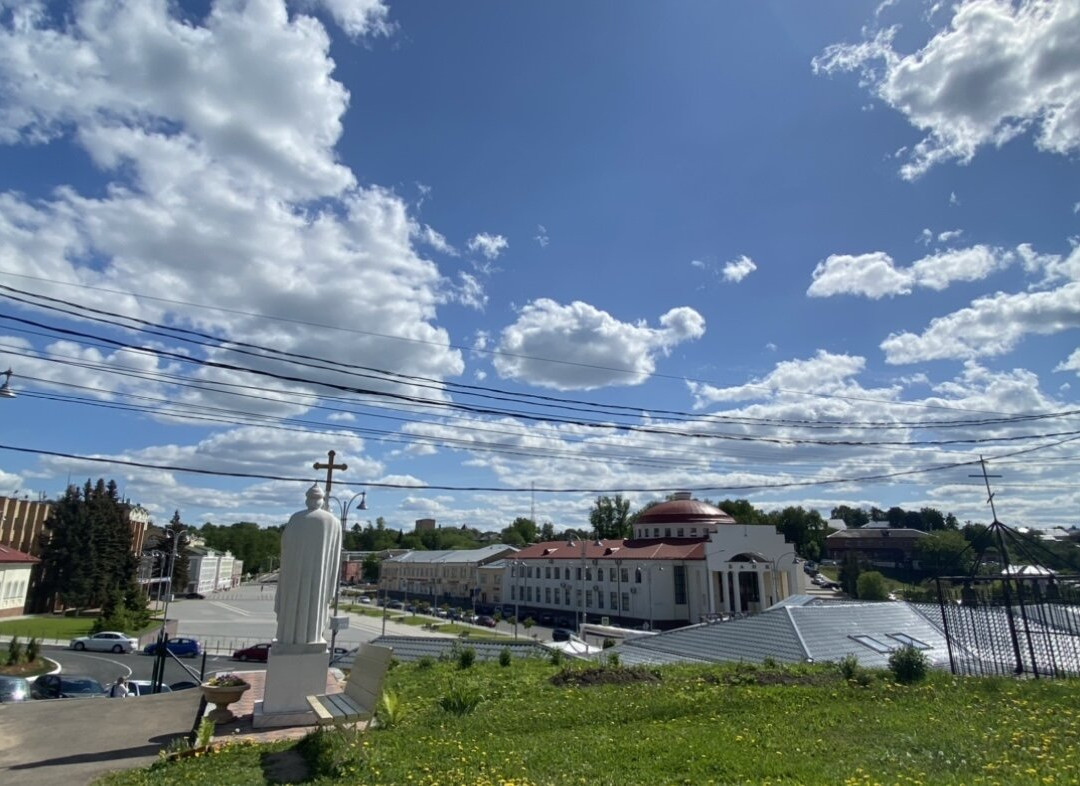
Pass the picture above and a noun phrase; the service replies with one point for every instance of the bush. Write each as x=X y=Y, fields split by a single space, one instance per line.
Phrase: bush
x=461 y=698
x=466 y=658
x=15 y=652
x=390 y=710
x=871 y=586
x=613 y=660
x=333 y=753
x=505 y=657
x=426 y=662
x=849 y=667
x=33 y=649
x=556 y=657
x=908 y=665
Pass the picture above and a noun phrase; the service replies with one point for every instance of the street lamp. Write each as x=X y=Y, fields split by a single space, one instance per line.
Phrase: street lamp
x=581 y=620
x=775 y=570
x=344 y=508
x=5 y=389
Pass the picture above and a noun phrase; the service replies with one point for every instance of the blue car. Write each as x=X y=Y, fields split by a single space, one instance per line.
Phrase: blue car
x=180 y=647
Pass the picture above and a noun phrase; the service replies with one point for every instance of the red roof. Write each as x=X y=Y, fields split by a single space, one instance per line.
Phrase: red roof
x=8 y=554
x=641 y=549
x=684 y=511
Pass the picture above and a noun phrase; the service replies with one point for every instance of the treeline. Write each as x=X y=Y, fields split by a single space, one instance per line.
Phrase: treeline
x=925 y=519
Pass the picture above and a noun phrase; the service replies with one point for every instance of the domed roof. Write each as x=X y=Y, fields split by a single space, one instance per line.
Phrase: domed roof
x=684 y=510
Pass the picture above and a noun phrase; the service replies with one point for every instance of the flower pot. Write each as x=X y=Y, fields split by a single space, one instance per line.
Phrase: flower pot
x=221 y=696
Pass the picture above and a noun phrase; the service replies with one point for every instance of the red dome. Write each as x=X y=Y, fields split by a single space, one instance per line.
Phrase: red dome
x=684 y=511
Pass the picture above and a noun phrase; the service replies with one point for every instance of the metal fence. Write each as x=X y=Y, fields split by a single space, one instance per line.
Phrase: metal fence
x=1011 y=625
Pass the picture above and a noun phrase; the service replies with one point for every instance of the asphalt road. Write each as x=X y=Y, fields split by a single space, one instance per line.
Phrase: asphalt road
x=105 y=667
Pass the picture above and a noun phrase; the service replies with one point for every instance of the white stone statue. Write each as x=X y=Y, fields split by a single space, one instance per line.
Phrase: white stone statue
x=310 y=550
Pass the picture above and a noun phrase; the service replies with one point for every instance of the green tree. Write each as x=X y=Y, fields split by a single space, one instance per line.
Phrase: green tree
x=180 y=576
x=547 y=532
x=742 y=511
x=804 y=529
x=932 y=519
x=849 y=574
x=371 y=567
x=610 y=517
x=943 y=552
x=852 y=517
x=871 y=586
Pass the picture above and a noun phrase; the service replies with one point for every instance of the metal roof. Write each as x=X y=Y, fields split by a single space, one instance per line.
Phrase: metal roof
x=454 y=555
x=412 y=648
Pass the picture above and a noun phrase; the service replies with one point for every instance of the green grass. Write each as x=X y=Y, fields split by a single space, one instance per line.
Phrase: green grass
x=697 y=725
x=48 y=627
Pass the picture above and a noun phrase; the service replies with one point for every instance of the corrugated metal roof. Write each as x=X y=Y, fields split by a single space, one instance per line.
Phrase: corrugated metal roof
x=770 y=634
x=412 y=648
x=453 y=555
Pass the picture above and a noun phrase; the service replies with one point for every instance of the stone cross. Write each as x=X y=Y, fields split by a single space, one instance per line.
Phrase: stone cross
x=329 y=466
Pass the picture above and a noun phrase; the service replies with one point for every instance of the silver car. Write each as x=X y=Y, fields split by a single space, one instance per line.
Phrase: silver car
x=14 y=689
x=106 y=641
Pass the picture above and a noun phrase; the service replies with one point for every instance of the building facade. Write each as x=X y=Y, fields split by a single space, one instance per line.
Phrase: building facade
x=210 y=570
x=686 y=562
x=880 y=546
x=440 y=577
x=15 y=570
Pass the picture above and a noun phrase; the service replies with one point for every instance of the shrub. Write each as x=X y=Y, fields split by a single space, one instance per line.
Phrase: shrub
x=33 y=649
x=505 y=657
x=849 y=667
x=871 y=586
x=461 y=698
x=15 y=651
x=908 y=665
x=466 y=658
x=205 y=732
x=333 y=753
x=613 y=660
x=426 y=662
x=556 y=657
x=770 y=663
x=390 y=710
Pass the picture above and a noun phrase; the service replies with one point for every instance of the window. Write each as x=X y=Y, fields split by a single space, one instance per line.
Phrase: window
x=599 y=574
x=680 y=585
x=578 y=573
x=529 y=574
x=693 y=532
x=637 y=575
x=872 y=643
x=588 y=574
x=566 y=596
x=656 y=532
x=600 y=599
x=547 y=595
x=547 y=571
x=513 y=592
x=910 y=641
x=667 y=532
x=626 y=601
x=588 y=598
x=626 y=575
x=566 y=574
x=528 y=593
x=578 y=596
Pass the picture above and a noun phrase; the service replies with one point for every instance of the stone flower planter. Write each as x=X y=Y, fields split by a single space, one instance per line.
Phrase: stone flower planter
x=221 y=696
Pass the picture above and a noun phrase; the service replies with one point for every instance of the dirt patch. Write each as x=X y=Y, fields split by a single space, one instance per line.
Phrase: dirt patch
x=605 y=675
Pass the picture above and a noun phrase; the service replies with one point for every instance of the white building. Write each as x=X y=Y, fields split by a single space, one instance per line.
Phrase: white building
x=210 y=570
x=15 y=567
x=451 y=577
x=687 y=562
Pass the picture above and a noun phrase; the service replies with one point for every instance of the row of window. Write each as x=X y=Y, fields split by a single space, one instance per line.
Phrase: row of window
x=679 y=532
x=552 y=572
x=551 y=597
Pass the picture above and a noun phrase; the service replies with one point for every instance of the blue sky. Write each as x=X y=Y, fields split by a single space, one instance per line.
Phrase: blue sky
x=838 y=238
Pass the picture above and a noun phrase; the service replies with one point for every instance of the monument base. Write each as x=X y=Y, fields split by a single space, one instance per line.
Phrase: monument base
x=293 y=673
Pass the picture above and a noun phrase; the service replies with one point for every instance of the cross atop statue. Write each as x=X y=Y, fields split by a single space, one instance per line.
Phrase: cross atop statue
x=329 y=466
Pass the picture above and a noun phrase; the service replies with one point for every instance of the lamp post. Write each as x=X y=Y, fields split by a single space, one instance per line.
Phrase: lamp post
x=775 y=569
x=5 y=389
x=176 y=539
x=344 y=508
x=517 y=566
x=581 y=619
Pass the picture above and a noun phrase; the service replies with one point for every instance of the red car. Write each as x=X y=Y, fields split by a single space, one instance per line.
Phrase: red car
x=258 y=652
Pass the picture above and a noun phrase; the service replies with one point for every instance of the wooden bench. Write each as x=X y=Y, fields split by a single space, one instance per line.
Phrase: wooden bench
x=362 y=689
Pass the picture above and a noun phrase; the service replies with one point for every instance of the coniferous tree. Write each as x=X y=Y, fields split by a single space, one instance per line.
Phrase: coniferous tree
x=180 y=576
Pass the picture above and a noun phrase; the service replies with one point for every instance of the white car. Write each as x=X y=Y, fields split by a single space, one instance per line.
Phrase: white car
x=106 y=641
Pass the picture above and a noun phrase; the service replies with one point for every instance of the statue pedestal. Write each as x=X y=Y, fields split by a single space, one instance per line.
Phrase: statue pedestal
x=293 y=673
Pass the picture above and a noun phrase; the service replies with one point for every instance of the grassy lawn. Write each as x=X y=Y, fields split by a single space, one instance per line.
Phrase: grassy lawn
x=540 y=724
x=48 y=627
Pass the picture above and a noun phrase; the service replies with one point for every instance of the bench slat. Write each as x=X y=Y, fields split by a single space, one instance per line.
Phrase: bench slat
x=362 y=689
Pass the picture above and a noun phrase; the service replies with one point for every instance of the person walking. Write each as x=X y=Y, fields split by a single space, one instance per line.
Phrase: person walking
x=119 y=689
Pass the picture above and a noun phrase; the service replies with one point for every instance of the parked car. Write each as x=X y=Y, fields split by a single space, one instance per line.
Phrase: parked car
x=561 y=634
x=180 y=647
x=259 y=652
x=106 y=641
x=13 y=689
x=486 y=621
x=195 y=596
x=365 y=600
x=143 y=688
x=66 y=686
x=395 y=604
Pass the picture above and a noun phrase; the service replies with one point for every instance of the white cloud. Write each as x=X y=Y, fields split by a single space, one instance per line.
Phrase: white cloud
x=470 y=292
x=771 y=347
x=875 y=275
x=954 y=200
x=697 y=263
x=356 y=17
x=990 y=326
x=579 y=347
x=926 y=237
x=825 y=372
x=738 y=269
x=436 y=240
x=541 y=236
x=997 y=70
x=949 y=235
x=488 y=245
x=1072 y=363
